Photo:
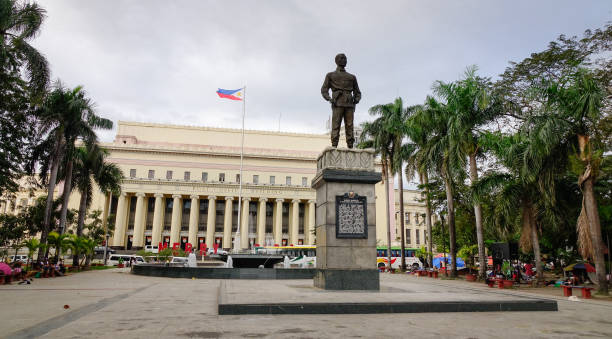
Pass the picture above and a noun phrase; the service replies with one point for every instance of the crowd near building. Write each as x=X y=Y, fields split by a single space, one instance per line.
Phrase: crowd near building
x=181 y=185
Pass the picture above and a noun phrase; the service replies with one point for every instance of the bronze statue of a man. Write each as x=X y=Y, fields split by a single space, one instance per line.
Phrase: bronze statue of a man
x=345 y=95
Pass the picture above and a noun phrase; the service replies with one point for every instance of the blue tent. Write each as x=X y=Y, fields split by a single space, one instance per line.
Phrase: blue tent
x=437 y=262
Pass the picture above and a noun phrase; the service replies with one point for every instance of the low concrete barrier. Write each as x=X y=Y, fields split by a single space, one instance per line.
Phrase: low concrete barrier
x=222 y=272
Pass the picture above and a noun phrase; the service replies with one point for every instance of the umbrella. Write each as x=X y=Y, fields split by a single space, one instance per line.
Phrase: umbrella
x=439 y=260
x=580 y=266
x=6 y=269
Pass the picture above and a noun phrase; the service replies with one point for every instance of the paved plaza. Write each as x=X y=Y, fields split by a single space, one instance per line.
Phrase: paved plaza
x=112 y=303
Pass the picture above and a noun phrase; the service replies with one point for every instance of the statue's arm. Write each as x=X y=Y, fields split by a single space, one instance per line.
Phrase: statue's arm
x=325 y=88
x=356 y=92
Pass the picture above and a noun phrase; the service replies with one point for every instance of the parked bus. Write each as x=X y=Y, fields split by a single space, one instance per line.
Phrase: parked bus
x=297 y=253
x=396 y=257
x=290 y=251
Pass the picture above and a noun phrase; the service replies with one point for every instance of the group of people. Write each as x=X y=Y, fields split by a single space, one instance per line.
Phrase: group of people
x=44 y=268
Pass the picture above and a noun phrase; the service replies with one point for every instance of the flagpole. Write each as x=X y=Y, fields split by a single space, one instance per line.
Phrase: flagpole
x=238 y=240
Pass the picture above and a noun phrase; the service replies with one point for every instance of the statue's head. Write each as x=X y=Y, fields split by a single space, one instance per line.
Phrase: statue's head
x=341 y=60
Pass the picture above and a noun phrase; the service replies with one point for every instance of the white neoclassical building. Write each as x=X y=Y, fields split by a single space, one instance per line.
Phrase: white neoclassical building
x=182 y=186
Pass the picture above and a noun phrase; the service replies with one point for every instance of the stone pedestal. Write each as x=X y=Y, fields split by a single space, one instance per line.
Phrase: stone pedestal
x=346 y=220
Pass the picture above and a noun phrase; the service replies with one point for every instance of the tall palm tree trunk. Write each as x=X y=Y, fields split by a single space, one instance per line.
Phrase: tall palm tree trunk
x=79 y=231
x=82 y=213
x=595 y=231
x=536 y=244
x=67 y=189
x=482 y=268
x=386 y=173
x=451 y=225
x=402 y=228
x=50 y=189
x=425 y=179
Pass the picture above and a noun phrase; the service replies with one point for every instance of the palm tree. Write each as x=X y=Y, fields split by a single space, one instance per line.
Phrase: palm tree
x=90 y=168
x=576 y=110
x=58 y=241
x=64 y=116
x=472 y=106
x=393 y=117
x=439 y=156
x=527 y=186
x=32 y=244
x=81 y=120
x=374 y=136
x=19 y=23
x=416 y=164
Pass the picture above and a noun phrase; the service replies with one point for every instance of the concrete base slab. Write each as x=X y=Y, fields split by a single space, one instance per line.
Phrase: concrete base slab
x=297 y=297
x=338 y=279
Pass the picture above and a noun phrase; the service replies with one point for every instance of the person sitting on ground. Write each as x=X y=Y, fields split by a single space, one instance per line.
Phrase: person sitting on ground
x=62 y=267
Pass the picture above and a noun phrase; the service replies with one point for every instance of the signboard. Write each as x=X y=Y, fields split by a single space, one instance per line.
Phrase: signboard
x=351 y=216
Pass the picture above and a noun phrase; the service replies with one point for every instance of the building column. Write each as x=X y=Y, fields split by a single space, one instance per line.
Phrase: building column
x=294 y=222
x=227 y=223
x=211 y=220
x=120 y=219
x=157 y=219
x=244 y=225
x=139 y=221
x=261 y=222
x=194 y=216
x=278 y=222
x=175 y=226
x=309 y=226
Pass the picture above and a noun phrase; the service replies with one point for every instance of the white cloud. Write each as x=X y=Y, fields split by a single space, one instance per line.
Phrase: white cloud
x=162 y=61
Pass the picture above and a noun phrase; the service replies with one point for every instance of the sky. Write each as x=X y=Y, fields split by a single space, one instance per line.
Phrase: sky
x=162 y=61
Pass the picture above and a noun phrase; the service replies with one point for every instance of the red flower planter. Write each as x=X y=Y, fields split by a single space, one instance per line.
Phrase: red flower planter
x=470 y=277
x=508 y=283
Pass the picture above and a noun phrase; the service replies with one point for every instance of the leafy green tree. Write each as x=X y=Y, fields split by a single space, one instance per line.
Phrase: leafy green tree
x=24 y=75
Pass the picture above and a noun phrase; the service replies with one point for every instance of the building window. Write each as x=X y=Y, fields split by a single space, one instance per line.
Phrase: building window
x=408 y=236
x=133 y=173
x=288 y=181
x=151 y=174
x=237 y=178
x=187 y=176
x=418 y=240
x=168 y=175
x=204 y=176
x=407 y=217
x=304 y=181
x=272 y=180
x=256 y=179
x=416 y=219
x=221 y=177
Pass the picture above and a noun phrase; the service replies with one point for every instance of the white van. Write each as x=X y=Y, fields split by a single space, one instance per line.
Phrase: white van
x=22 y=258
x=113 y=260
x=151 y=248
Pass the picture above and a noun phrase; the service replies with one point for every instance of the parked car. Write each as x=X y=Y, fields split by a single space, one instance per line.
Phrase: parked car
x=179 y=260
x=22 y=258
x=100 y=250
x=113 y=260
x=151 y=248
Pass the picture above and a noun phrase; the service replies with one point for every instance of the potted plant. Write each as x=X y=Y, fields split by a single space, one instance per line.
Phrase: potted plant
x=467 y=253
x=120 y=263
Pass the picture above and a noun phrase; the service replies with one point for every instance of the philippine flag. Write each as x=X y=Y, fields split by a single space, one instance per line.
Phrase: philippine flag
x=232 y=94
